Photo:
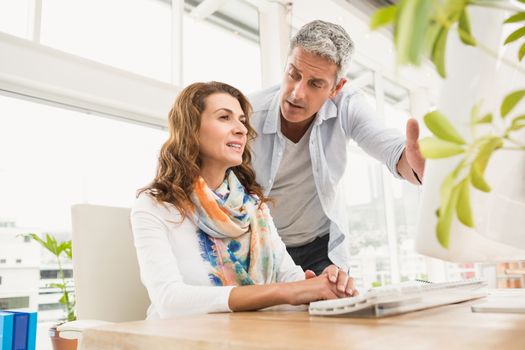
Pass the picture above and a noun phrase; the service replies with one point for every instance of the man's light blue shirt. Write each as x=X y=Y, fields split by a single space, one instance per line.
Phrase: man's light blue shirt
x=341 y=119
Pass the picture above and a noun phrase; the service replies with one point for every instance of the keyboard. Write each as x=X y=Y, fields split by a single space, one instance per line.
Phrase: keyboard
x=401 y=298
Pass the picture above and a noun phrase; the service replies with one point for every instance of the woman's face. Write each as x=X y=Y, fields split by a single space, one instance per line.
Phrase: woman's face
x=222 y=133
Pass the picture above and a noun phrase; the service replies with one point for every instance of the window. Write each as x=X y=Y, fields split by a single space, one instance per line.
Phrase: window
x=14 y=302
x=48 y=274
x=14 y=17
x=7 y=224
x=65 y=157
x=131 y=35
x=53 y=274
x=381 y=208
x=51 y=306
x=370 y=261
x=404 y=196
x=58 y=157
x=223 y=48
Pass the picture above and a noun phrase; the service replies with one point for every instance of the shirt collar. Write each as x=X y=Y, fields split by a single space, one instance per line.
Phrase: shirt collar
x=272 y=118
x=328 y=110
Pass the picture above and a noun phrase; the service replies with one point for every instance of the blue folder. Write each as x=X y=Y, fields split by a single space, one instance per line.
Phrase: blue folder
x=20 y=330
x=24 y=330
x=6 y=330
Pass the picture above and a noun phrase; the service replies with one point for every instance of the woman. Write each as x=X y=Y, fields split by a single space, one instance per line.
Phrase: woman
x=204 y=237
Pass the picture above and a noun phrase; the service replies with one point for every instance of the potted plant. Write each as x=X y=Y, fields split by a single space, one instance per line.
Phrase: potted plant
x=60 y=250
x=474 y=148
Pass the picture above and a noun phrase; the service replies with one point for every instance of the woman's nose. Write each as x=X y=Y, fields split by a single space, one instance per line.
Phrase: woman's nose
x=240 y=128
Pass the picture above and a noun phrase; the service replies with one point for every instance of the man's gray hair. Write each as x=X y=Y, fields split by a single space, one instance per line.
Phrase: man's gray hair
x=327 y=40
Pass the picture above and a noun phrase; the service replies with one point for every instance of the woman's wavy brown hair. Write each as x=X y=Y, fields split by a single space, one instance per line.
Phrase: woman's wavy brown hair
x=179 y=159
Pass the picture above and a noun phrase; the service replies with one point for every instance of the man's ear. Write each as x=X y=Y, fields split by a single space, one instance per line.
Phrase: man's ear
x=338 y=87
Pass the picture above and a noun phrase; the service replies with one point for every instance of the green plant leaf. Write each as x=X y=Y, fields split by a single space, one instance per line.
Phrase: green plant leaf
x=442 y=128
x=68 y=250
x=444 y=190
x=465 y=33
x=518 y=17
x=37 y=239
x=438 y=52
x=403 y=22
x=445 y=220
x=434 y=148
x=447 y=184
x=61 y=247
x=453 y=8
x=57 y=285
x=463 y=208
x=445 y=193
x=383 y=16
x=510 y=101
x=412 y=21
x=521 y=53
x=477 y=170
x=50 y=243
x=515 y=35
x=71 y=315
x=421 y=23
x=517 y=123
x=486 y=119
x=476 y=119
x=474 y=113
x=430 y=38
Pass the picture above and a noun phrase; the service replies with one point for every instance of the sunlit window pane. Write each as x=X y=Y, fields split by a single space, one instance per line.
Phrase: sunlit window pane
x=215 y=53
x=53 y=158
x=14 y=17
x=134 y=35
x=370 y=260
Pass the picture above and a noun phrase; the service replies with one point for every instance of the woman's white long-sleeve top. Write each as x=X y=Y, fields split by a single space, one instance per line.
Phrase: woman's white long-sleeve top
x=171 y=265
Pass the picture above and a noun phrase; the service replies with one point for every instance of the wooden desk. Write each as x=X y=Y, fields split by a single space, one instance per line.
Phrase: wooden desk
x=448 y=327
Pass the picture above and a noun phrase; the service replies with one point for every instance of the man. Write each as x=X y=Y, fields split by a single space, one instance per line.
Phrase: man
x=300 y=155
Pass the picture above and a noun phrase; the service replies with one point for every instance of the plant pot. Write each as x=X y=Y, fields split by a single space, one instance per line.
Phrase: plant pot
x=61 y=343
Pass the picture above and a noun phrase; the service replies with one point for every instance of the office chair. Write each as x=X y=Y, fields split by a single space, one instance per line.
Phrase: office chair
x=105 y=268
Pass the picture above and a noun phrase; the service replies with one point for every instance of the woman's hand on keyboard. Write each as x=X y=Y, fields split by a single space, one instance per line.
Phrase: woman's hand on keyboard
x=311 y=289
x=342 y=280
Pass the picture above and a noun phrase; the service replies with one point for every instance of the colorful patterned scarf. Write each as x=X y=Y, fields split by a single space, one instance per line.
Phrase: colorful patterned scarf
x=233 y=234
